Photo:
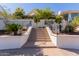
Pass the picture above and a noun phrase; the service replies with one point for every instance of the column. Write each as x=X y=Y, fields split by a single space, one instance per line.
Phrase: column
x=69 y=17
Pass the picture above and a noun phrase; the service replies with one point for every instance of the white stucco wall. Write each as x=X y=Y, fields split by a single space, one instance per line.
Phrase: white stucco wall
x=2 y=25
x=11 y=42
x=23 y=22
x=64 y=41
x=68 y=41
x=41 y=23
x=53 y=37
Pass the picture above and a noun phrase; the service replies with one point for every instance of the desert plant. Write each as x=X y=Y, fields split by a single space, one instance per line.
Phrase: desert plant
x=13 y=28
x=75 y=22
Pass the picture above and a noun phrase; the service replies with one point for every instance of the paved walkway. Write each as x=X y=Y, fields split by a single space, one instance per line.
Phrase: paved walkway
x=39 y=44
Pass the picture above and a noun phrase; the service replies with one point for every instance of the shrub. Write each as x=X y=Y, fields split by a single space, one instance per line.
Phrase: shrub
x=58 y=19
x=13 y=28
x=68 y=29
x=75 y=22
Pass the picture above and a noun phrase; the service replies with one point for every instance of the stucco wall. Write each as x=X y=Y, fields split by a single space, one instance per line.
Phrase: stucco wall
x=64 y=41
x=2 y=25
x=53 y=37
x=23 y=22
x=68 y=41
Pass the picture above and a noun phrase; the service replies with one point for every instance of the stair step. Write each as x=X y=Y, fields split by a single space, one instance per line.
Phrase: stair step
x=40 y=47
x=39 y=38
x=42 y=40
x=40 y=44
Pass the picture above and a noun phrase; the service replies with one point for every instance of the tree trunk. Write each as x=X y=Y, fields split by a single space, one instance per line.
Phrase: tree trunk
x=15 y=32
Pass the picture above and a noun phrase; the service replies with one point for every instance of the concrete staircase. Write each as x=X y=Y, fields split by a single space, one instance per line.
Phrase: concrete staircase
x=38 y=38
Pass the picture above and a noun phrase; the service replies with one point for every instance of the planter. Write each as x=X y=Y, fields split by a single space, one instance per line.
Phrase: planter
x=68 y=41
x=76 y=29
x=12 y=42
x=63 y=40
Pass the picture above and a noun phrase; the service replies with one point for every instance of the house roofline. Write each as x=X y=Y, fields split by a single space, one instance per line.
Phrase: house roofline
x=69 y=11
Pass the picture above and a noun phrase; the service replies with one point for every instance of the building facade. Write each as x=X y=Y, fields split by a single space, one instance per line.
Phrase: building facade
x=70 y=14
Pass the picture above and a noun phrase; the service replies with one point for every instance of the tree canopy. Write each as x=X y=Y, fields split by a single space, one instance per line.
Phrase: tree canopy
x=43 y=14
x=19 y=13
x=58 y=19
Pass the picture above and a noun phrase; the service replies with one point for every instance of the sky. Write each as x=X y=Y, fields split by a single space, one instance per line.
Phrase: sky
x=30 y=6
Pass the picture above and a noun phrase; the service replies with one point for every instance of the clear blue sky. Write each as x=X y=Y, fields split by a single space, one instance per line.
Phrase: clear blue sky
x=54 y=6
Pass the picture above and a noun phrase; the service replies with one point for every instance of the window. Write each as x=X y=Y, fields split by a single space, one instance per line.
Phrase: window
x=74 y=15
x=65 y=16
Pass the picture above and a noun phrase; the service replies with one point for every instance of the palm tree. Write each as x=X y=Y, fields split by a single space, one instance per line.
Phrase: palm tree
x=5 y=14
x=42 y=14
x=58 y=20
x=19 y=13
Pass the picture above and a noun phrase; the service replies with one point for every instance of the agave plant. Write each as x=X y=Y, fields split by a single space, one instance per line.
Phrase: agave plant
x=13 y=28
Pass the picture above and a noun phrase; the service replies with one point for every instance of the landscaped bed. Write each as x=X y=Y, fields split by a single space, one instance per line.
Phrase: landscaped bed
x=69 y=38
x=64 y=40
x=11 y=40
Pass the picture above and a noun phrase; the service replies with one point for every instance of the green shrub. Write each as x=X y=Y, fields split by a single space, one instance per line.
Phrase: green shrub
x=13 y=28
x=58 y=19
x=68 y=29
x=75 y=22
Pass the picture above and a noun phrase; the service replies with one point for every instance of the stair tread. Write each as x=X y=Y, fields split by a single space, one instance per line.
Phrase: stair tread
x=40 y=44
